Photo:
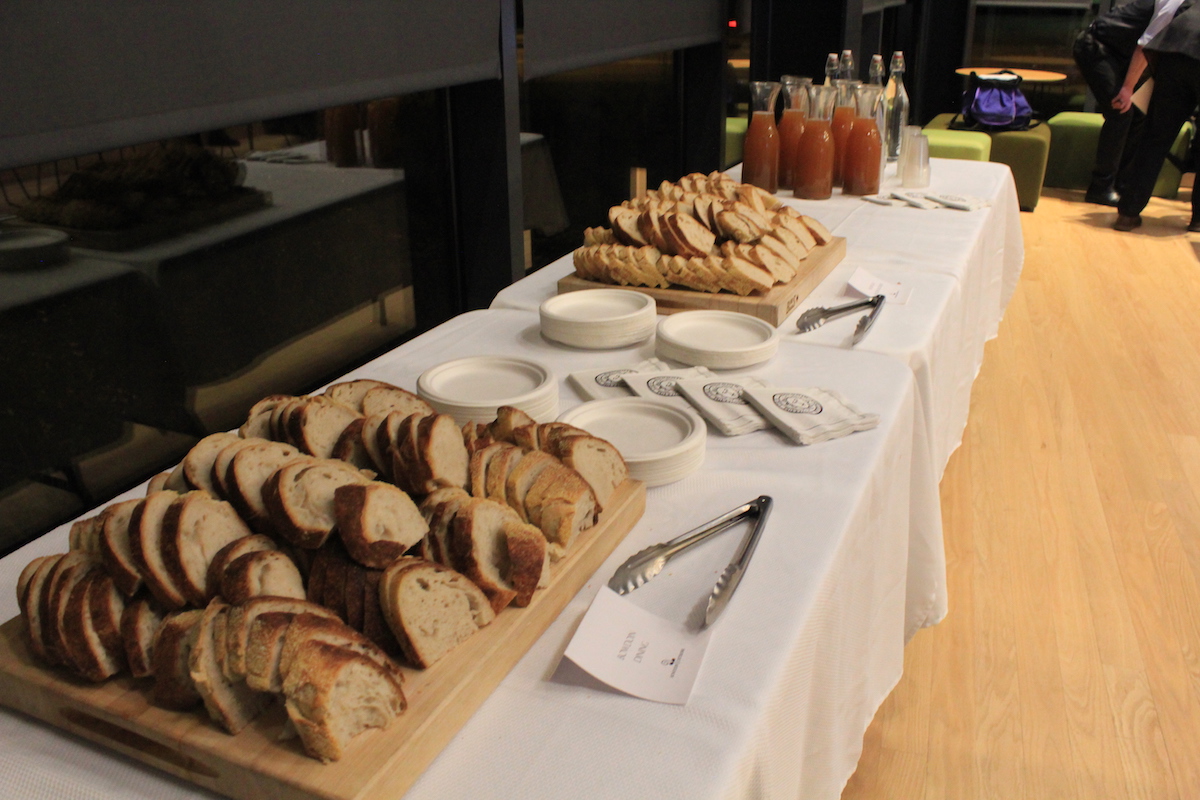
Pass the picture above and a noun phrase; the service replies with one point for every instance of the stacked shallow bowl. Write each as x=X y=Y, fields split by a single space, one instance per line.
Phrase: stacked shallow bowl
x=717 y=339
x=598 y=319
x=661 y=442
x=471 y=389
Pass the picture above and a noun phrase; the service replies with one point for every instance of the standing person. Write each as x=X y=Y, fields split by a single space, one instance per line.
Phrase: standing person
x=1173 y=50
x=1103 y=52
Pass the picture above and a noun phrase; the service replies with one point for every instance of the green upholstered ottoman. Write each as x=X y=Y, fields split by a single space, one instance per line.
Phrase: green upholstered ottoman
x=1025 y=153
x=735 y=137
x=1072 y=149
x=967 y=145
x=1073 y=153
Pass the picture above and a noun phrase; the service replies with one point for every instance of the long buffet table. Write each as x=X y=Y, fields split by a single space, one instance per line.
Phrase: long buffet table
x=851 y=563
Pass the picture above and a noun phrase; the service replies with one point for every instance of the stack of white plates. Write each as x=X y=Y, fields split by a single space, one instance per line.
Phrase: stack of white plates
x=717 y=339
x=598 y=319
x=471 y=389
x=661 y=443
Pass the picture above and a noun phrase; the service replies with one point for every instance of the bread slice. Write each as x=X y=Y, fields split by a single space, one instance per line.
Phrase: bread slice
x=33 y=602
x=372 y=442
x=442 y=458
x=333 y=694
x=85 y=651
x=107 y=606
x=525 y=437
x=238 y=627
x=299 y=499
x=401 y=444
x=436 y=545
x=220 y=464
x=248 y=472
x=67 y=572
x=352 y=594
x=820 y=233
x=195 y=528
x=26 y=577
x=232 y=705
x=85 y=534
x=689 y=236
x=377 y=522
x=170 y=654
x=386 y=399
x=477 y=468
x=431 y=609
x=498 y=471
x=559 y=482
x=516 y=487
x=230 y=553
x=508 y=418
x=306 y=628
x=350 y=447
x=351 y=393
x=318 y=424
x=597 y=460
x=146 y=548
x=479 y=550
x=139 y=625
x=158 y=482
x=264 y=645
x=374 y=625
x=115 y=549
x=258 y=419
x=198 y=463
x=528 y=559
x=265 y=572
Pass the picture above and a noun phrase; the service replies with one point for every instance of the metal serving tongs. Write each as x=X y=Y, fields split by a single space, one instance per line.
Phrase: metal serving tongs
x=642 y=566
x=816 y=317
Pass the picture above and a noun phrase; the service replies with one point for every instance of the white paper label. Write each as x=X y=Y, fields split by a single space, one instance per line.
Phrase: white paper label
x=636 y=652
x=868 y=285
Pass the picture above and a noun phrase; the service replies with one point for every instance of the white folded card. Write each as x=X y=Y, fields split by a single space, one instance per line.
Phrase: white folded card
x=602 y=384
x=636 y=652
x=868 y=285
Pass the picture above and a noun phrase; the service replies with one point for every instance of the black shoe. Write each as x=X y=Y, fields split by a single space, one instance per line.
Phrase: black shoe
x=1106 y=197
x=1194 y=225
x=1127 y=223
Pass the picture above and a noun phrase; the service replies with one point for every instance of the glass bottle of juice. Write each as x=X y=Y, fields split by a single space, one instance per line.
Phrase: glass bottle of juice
x=864 y=144
x=791 y=125
x=843 y=121
x=760 y=161
x=813 y=171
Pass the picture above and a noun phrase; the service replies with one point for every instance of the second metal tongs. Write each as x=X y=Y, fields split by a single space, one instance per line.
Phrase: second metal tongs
x=644 y=565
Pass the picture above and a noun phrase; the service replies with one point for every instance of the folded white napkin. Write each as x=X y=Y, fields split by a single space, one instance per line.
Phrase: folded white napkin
x=719 y=400
x=660 y=385
x=602 y=384
x=808 y=416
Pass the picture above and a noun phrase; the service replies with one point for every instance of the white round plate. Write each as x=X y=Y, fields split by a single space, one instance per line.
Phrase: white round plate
x=482 y=381
x=645 y=431
x=598 y=319
x=723 y=339
x=32 y=248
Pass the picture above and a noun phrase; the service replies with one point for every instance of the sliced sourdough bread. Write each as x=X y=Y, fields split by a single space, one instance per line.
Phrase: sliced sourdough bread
x=299 y=499
x=387 y=399
x=139 y=625
x=258 y=419
x=196 y=527
x=305 y=628
x=265 y=572
x=440 y=513
x=528 y=559
x=170 y=654
x=232 y=705
x=377 y=522
x=430 y=609
x=507 y=419
x=351 y=393
x=115 y=549
x=239 y=626
x=233 y=551
x=198 y=463
x=68 y=571
x=333 y=694
x=498 y=471
x=146 y=547
x=86 y=652
x=516 y=486
x=477 y=470
x=596 y=459
x=32 y=603
x=318 y=424
x=85 y=534
x=478 y=549
x=248 y=472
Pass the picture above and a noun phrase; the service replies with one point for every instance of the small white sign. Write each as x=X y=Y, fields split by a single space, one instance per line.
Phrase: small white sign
x=868 y=285
x=636 y=652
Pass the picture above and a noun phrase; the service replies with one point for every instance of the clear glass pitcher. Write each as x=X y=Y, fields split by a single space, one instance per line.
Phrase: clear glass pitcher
x=760 y=160
x=862 y=167
x=791 y=124
x=843 y=121
x=813 y=167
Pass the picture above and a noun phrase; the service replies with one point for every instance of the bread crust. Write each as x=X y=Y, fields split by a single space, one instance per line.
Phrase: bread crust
x=173 y=642
x=196 y=527
x=146 y=547
x=377 y=522
x=115 y=548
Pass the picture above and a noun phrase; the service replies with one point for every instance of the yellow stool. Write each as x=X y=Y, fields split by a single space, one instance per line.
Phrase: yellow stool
x=965 y=145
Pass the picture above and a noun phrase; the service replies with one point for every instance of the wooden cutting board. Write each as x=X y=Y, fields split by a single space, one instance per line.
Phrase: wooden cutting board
x=774 y=306
x=255 y=765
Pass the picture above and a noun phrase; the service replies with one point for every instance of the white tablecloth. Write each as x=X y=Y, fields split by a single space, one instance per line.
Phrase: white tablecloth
x=849 y=566
x=962 y=267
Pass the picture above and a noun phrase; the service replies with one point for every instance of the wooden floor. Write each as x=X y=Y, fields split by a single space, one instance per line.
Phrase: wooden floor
x=1069 y=664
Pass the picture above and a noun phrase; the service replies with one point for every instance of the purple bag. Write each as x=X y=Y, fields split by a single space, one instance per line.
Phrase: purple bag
x=995 y=103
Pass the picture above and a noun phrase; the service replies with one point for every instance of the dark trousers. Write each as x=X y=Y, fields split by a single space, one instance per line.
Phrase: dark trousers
x=1104 y=72
x=1176 y=92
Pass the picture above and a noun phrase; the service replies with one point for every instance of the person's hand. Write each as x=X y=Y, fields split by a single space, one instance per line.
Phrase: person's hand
x=1124 y=100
